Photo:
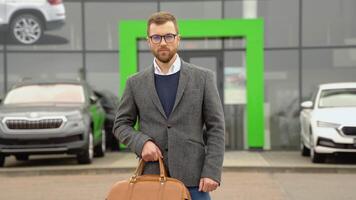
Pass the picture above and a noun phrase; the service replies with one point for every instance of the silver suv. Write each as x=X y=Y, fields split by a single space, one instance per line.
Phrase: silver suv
x=26 y=20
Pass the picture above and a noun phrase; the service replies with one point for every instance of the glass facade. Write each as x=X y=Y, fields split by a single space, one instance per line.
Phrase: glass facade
x=303 y=48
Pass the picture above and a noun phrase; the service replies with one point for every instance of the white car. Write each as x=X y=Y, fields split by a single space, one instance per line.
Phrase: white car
x=26 y=20
x=328 y=121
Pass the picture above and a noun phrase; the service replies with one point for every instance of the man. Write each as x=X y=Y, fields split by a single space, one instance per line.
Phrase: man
x=173 y=101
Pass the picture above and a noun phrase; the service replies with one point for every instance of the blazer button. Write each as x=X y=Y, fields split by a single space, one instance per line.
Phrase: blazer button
x=169 y=126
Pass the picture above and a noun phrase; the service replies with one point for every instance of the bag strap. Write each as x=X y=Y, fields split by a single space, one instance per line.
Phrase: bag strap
x=141 y=165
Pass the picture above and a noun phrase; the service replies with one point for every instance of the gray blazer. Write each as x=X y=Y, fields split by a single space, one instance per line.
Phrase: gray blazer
x=189 y=152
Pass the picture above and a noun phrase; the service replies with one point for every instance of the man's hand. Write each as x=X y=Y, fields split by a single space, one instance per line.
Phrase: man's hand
x=207 y=185
x=150 y=152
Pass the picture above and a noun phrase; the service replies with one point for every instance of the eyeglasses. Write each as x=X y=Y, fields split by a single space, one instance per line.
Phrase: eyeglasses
x=169 y=38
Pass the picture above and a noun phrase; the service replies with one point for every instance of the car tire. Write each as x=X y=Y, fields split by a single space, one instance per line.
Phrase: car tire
x=28 y=33
x=99 y=150
x=317 y=157
x=2 y=160
x=22 y=157
x=86 y=156
x=304 y=150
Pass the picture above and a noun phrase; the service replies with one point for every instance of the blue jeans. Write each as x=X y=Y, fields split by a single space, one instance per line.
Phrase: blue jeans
x=196 y=195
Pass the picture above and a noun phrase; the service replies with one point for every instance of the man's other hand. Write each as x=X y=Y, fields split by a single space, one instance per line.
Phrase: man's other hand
x=150 y=152
x=207 y=185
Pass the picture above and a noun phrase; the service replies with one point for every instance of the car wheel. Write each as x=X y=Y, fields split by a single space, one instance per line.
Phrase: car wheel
x=86 y=156
x=111 y=141
x=26 y=28
x=304 y=150
x=100 y=149
x=22 y=157
x=2 y=160
x=317 y=157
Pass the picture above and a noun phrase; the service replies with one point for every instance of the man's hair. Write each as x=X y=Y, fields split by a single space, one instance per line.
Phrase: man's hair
x=160 y=18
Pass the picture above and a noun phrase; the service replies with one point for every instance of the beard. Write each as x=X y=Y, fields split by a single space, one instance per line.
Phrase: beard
x=165 y=55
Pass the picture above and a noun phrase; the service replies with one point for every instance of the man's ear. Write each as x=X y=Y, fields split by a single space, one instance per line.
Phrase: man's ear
x=178 y=39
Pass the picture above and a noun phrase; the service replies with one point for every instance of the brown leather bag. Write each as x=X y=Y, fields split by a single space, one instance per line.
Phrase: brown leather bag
x=149 y=187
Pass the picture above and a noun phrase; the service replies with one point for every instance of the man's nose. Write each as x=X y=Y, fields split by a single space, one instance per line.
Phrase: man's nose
x=163 y=42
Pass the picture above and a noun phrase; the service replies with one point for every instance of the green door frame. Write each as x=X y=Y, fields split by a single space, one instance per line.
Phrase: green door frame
x=252 y=30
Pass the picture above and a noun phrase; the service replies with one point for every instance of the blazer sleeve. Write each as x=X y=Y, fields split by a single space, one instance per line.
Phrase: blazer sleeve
x=125 y=120
x=215 y=130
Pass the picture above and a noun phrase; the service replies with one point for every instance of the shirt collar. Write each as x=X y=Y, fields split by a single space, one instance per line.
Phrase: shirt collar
x=172 y=70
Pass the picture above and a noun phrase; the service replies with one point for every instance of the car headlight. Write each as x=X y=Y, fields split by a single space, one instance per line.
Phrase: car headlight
x=327 y=124
x=75 y=115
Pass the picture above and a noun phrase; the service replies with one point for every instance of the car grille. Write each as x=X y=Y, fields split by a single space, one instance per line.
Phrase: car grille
x=349 y=130
x=33 y=124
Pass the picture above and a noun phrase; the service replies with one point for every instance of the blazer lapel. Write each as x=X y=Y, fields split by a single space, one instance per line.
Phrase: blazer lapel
x=183 y=80
x=153 y=92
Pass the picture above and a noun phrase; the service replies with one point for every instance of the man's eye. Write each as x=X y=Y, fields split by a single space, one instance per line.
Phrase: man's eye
x=156 y=37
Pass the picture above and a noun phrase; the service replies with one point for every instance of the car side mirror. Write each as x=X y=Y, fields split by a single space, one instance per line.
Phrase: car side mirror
x=307 y=105
x=93 y=99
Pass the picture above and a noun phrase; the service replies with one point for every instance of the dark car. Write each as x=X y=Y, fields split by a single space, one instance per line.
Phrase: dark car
x=110 y=102
x=51 y=117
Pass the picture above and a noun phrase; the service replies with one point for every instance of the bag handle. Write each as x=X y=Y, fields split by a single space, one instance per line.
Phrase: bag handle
x=141 y=165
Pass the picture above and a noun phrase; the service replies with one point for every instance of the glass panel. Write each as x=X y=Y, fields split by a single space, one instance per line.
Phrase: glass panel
x=102 y=19
x=196 y=9
x=2 y=39
x=332 y=24
x=102 y=71
x=2 y=83
x=282 y=99
x=206 y=62
x=327 y=66
x=145 y=59
x=142 y=45
x=68 y=37
x=235 y=99
x=200 y=44
x=280 y=17
x=43 y=66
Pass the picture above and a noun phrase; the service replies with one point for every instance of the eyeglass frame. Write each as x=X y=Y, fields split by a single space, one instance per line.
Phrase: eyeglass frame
x=164 y=37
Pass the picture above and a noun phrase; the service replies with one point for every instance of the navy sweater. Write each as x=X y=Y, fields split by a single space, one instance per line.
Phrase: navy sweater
x=166 y=87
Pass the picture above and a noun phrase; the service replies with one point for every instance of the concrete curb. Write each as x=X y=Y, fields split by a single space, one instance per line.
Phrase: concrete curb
x=115 y=170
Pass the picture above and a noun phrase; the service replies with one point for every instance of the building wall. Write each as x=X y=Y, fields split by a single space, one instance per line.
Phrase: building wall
x=307 y=42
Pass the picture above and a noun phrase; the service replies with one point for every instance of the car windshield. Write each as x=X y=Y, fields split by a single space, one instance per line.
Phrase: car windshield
x=338 y=98
x=49 y=93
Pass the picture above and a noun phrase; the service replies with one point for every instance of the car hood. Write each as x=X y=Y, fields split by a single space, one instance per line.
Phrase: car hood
x=38 y=110
x=336 y=115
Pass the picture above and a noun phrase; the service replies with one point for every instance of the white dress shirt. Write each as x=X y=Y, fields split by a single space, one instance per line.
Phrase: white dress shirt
x=173 y=69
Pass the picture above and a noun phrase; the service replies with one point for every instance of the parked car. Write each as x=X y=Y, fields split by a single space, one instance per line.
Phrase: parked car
x=110 y=102
x=26 y=20
x=328 y=121
x=49 y=117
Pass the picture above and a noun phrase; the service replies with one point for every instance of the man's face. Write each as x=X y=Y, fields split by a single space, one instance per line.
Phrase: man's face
x=163 y=50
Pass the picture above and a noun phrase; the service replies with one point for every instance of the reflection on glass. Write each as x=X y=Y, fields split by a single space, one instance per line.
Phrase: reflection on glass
x=235 y=85
x=102 y=71
x=46 y=93
x=66 y=37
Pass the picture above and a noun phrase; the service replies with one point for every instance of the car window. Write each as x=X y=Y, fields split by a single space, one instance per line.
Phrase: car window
x=338 y=98
x=50 y=93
